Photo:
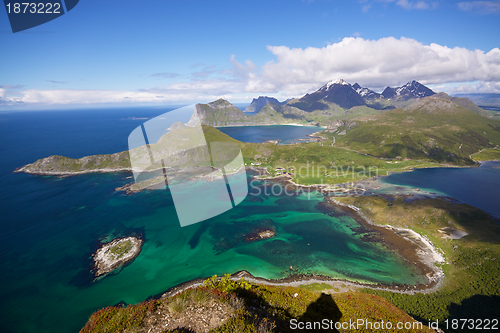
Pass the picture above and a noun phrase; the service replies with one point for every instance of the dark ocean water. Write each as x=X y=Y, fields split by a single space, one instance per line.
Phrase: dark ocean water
x=50 y=226
x=256 y=134
x=478 y=186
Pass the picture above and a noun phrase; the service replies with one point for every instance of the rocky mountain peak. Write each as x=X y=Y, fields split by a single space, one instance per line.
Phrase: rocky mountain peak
x=340 y=82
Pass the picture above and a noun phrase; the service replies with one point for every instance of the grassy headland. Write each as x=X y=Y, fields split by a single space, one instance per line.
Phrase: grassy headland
x=238 y=306
x=471 y=288
x=431 y=129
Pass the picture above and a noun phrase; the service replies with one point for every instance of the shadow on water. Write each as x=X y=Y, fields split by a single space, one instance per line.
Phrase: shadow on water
x=195 y=239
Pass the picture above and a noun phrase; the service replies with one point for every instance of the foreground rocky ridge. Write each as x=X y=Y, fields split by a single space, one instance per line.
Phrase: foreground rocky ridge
x=227 y=305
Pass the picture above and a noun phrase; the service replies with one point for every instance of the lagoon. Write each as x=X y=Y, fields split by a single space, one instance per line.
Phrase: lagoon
x=476 y=186
x=52 y=225
x=256 y=134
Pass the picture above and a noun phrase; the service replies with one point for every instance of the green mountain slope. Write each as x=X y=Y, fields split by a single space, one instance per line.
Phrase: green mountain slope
x=431 y=129
x=222 y=113
x=464 y=102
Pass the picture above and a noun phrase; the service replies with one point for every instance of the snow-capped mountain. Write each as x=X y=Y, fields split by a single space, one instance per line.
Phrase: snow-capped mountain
x=338 y=91
x=341 y=93
x=333 y=82
x=414 y=89
x=365 y=92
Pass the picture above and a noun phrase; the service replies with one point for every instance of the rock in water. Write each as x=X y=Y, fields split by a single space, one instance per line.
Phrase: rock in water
x=259 y=234
x=115 y=254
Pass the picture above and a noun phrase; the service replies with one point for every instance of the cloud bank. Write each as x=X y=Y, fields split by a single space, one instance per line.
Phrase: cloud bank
x=294 y=71
x=375 y=63
x=482 y=7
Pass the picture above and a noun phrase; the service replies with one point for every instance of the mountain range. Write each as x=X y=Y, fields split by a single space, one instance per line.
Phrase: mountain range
x=334 y=101
x=347 y=96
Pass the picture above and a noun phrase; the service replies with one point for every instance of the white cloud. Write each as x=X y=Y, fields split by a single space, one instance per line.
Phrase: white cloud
x=181 y=92
x=374 y=63
x=406 y=4
x=482 y=7
x=295 y=71
x=412 y=5
x=472 y=88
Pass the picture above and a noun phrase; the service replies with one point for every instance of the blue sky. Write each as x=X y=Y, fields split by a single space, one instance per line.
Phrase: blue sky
x=122 y=52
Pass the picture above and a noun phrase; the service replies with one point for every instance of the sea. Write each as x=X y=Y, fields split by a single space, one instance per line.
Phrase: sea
x=50 y=226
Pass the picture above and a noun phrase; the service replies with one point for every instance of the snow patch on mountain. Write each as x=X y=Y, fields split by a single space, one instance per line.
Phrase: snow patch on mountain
x=333 y=82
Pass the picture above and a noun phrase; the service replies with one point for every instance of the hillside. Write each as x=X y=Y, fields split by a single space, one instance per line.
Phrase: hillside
x=464 y=102
x=223 y=113
x=432 y=128
x=472 y=285
x=259 y=103
x=61 y=165
x=237 y=306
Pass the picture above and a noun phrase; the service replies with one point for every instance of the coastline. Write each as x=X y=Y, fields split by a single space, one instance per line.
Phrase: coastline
x=66 y=173
x=257 y=125
x=436 y=276
x=415 y=248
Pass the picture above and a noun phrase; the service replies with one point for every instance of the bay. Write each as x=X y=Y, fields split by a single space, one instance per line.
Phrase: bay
x=476 y=186
x=256 y=134
x=50 y=226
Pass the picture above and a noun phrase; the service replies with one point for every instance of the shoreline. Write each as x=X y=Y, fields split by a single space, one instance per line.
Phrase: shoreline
x=435 y=279
x=422 y=253
x=67 y=173
x=259 y=125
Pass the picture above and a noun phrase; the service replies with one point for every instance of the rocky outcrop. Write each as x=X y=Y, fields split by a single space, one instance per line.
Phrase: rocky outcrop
x=259 y=234
x=259 y=103
x=115 y=254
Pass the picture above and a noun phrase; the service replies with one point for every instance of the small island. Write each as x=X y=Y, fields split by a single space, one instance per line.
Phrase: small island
x=260 y=233
x=115 y=254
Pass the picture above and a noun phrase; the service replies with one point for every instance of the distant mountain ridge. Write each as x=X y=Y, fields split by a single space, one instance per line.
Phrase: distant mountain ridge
x=341 y=93
x=258 y=103
x=336 y=100
x=436 y=127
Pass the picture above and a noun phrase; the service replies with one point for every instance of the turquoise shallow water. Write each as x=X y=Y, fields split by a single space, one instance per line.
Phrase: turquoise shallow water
x=62 y=293
x=51 y=226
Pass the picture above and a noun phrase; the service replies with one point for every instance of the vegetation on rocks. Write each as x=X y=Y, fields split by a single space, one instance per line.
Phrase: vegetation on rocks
x=471 y=288
x=246 y=307
x=431 y=129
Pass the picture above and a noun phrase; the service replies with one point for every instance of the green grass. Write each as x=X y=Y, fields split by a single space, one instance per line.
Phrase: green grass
x=253 y=308
x=472 y=285
x=393 y=141
x=487 y=155
x=115 y=319
x=316 y=286
x=433 y=130
x=319 y=163
x=312 y=163
x=121 y=248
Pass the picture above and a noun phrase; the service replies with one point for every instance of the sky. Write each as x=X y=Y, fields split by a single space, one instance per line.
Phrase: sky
x=163 y=52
